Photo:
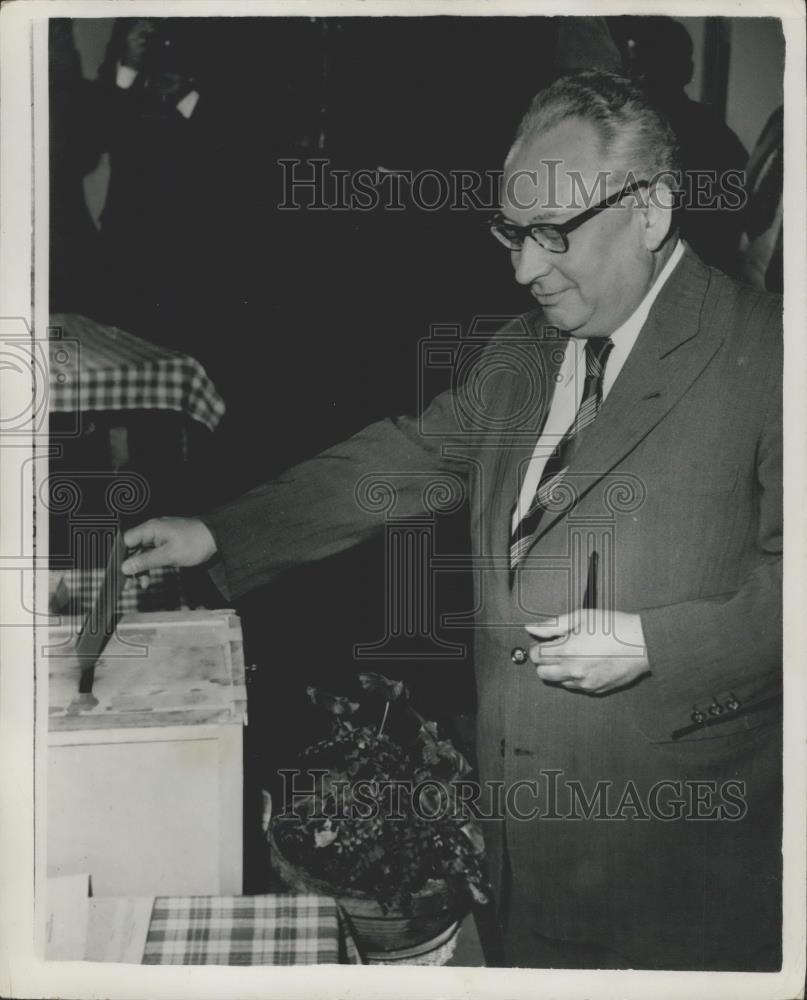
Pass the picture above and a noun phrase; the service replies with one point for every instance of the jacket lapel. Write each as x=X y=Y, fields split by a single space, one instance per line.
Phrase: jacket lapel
x=674 y=346
x=516 y=448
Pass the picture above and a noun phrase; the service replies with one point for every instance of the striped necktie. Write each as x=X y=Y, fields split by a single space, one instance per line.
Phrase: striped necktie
x=597 y=351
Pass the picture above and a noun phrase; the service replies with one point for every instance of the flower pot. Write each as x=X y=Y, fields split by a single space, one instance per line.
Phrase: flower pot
x=423 y=936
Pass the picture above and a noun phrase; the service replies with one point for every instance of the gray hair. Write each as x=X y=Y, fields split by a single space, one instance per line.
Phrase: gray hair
x=632 y=130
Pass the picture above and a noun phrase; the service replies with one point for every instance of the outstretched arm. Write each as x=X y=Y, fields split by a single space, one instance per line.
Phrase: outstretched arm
x=317 y=508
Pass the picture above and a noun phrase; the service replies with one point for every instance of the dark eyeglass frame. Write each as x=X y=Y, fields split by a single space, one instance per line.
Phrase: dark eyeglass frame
x=499 y=224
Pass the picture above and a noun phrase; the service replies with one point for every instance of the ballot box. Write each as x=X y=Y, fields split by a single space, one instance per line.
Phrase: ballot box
x=145 y=770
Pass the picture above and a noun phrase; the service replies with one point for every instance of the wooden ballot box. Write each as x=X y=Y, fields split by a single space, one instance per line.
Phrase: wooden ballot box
x=145 y=772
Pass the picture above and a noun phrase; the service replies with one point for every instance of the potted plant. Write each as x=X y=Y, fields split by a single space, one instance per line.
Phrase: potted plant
x=379 y=825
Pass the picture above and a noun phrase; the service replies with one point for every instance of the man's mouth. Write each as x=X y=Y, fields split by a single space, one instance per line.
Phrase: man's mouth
x=548 y=298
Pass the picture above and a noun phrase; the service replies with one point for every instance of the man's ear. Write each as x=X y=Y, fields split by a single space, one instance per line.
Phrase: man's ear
x=658 y=214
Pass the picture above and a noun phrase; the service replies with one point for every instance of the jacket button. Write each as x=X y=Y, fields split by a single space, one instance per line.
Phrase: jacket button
x=697 y=716
x=715 y=708
x=733 y=703
x=518 y=654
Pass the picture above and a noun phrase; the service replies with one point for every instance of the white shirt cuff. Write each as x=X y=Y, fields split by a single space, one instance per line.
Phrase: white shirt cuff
x=125 y=76
x=188 y=103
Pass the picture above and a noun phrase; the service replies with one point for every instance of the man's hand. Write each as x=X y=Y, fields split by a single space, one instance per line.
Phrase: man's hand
x=593 y=652
x=168 y=541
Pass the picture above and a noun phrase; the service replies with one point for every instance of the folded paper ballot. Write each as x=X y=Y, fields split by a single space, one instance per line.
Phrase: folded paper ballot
x=102 y=617
x=106 y=929
x=117 y=929
x=67 y=910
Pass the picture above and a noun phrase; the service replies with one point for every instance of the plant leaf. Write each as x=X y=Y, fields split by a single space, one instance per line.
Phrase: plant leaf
x=474 y=834
x=335 y=704
x=477 y=894
x=428 y=730
x=392 y=690
x=324 y=838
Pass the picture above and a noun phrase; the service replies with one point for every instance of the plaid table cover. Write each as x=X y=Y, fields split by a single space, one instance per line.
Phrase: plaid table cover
x=281 y=929
x=73 y=591
x=97 y=368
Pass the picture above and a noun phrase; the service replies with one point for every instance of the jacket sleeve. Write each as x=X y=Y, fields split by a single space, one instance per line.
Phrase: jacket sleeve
x=337 y=499
x=399 y=467
x=727 y=650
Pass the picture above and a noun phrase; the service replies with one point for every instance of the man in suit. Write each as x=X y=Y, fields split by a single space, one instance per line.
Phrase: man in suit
x=620 y=449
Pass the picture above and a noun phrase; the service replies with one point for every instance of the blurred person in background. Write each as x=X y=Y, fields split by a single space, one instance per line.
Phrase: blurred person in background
x=761 y=240
x=156 y=222
x=76 y=142
x=658 y=54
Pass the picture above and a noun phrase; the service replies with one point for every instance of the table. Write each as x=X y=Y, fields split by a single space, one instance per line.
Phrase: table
x=94 y=367
x=279 y=929
x=130 y=424
x=276 y=929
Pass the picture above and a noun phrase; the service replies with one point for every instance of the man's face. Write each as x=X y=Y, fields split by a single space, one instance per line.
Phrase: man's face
x=594 y=287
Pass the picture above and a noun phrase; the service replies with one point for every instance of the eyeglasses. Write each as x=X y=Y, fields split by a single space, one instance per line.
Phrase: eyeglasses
x=554 y=238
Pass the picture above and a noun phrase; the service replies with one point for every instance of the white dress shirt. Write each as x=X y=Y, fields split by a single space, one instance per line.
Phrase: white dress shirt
x=569 y=387
x=125 y=76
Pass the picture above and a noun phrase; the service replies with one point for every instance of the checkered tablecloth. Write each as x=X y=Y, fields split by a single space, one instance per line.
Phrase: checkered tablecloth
x=73 y=591
x=282 y=929
x=98 y=368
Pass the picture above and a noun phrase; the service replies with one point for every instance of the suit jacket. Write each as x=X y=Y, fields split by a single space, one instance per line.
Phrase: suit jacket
x=678 y=486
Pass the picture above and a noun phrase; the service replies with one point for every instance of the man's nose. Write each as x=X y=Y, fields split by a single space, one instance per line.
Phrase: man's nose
x=531 y=262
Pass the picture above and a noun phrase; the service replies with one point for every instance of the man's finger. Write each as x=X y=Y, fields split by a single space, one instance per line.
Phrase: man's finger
x=554 y=673
x=545 y=652
x=546 y=631
x=561 y=627
x=150 y=559
x=146 y=534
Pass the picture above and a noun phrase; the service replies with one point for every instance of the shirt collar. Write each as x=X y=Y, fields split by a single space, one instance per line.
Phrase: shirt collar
x=625 y=335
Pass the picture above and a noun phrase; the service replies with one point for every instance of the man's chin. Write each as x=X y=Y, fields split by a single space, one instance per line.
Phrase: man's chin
x=563 y=318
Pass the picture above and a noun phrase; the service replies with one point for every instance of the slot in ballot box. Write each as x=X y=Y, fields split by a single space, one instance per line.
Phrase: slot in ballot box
x=145 y=772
